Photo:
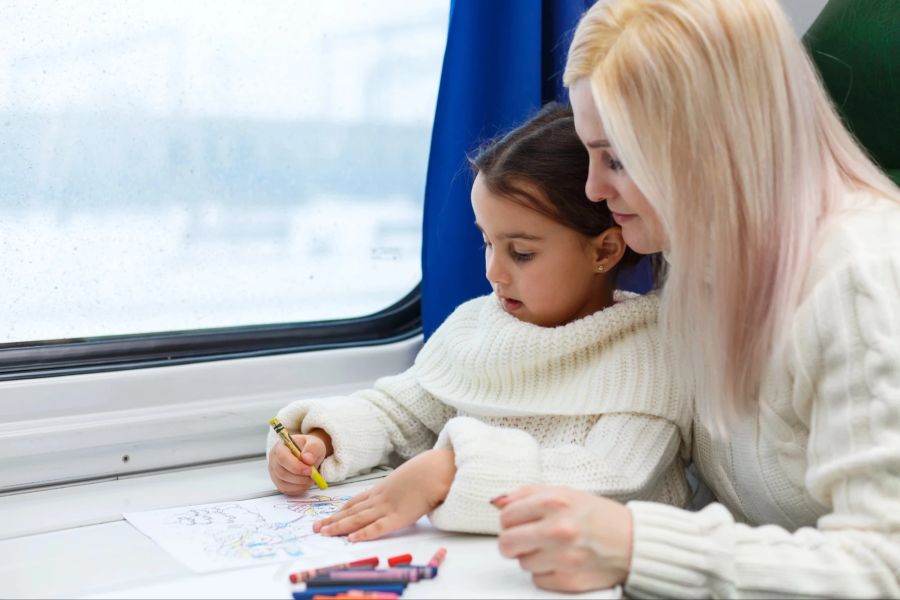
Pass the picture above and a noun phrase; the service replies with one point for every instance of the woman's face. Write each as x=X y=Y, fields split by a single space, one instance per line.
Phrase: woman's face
x=607 y=180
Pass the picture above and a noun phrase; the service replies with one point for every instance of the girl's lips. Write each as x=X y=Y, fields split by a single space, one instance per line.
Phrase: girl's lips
x=510 y=305
x=622 y=218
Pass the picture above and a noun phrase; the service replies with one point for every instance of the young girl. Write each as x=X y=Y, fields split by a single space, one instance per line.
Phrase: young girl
x=554 y=378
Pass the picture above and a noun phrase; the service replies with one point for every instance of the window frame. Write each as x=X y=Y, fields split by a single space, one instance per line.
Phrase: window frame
x=54 y=358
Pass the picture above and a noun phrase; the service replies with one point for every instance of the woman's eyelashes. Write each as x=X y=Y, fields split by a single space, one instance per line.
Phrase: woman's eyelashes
x=613 y=164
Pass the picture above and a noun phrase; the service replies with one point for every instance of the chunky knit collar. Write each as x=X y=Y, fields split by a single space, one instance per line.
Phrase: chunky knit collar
x=484 y=361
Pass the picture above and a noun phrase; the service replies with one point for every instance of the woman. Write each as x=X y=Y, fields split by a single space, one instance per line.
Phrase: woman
x=712 y=141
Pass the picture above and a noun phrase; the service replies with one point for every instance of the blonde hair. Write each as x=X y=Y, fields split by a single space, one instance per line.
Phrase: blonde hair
x=719 y=117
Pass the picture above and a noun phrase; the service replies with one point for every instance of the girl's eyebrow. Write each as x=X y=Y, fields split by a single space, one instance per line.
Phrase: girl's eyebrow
x=519 y=235
x=598 y=144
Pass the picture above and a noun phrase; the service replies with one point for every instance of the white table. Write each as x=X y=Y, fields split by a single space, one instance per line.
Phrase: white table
x=72 y=542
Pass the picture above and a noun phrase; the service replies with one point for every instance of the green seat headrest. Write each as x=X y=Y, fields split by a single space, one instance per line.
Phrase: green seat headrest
x=856 y=46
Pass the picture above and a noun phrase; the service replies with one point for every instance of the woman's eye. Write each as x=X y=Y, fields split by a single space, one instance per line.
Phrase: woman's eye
x=614 y=164
x=485 y=244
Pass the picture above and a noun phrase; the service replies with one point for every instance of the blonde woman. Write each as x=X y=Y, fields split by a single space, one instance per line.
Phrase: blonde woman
x=712 y=140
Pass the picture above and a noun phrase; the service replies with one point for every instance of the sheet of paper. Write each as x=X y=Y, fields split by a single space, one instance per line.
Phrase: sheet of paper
x=225 y=535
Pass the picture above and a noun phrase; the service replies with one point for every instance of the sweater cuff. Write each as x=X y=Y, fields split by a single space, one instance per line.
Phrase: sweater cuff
x=359 y=442
x=490 y=461
x=678 y=554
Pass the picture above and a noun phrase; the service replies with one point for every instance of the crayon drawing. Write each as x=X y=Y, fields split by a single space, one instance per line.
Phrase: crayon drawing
x=224 y=535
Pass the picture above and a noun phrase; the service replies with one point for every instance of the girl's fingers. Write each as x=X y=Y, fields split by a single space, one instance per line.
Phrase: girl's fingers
x=345 y=512
x=373 y=530
x=289 y=463
x=351 y=507
x=353 y=522
x=360 y=497
x=289 y=476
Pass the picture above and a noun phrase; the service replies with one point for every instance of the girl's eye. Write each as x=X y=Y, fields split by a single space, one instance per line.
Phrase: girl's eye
x=485 y=244
x=521 y=256
x=614 y=164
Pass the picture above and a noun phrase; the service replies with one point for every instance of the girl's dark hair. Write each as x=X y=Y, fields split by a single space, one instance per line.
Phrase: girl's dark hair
x=544 y=155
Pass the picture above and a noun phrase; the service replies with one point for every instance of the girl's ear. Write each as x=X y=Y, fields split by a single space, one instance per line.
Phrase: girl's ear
x=608 y=249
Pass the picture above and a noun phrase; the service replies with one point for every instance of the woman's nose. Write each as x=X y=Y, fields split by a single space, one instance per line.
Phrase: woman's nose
x=597 y=189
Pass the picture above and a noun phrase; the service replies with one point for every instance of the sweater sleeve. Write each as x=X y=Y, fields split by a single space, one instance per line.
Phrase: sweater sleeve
x=396 y=416
x=624 y=456
x=852 y=324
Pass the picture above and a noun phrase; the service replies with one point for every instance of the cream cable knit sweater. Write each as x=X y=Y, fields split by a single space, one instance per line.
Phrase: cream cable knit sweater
x=589 y=404
x=809 y=484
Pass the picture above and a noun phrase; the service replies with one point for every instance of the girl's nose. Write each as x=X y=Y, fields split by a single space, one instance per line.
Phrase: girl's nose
x=494 y=270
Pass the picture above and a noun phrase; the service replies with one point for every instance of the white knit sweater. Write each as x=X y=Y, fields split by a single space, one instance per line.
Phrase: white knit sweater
x=589 y=404
x=809 y=484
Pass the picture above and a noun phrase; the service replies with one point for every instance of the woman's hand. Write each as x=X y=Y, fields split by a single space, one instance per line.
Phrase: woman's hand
x=291 y=476
x=414 y=489
x=570 y=541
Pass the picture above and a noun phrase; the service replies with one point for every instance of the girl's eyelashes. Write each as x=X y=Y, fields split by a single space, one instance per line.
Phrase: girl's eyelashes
x=516 y=256
x=614 y=164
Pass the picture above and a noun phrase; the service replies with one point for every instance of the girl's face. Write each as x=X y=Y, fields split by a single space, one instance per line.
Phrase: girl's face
x=541 y=271
x=607 y=180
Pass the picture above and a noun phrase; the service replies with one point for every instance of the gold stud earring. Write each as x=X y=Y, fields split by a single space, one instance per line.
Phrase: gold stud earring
x=599 y=268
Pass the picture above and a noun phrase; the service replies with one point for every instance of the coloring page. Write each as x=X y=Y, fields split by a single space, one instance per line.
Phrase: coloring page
x=223 y=535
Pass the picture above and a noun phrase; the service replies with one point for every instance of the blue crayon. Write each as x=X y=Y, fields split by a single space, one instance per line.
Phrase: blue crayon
x=307 y=594
x=425 y=571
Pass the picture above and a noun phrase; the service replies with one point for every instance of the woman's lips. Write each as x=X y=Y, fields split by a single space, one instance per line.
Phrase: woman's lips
x=622 y=218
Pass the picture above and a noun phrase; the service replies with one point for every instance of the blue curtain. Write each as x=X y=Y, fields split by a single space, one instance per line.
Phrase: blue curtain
x=504 y=59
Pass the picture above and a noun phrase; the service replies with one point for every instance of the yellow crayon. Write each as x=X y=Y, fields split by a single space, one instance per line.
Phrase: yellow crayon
x=283 y=434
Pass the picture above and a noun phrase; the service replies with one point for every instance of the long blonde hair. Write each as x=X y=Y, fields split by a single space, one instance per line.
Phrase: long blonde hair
x=719 y=117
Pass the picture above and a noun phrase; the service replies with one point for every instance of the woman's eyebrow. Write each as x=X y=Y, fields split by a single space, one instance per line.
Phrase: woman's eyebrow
x=598 y=144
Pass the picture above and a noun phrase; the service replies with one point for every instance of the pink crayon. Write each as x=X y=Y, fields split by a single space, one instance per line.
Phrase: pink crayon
x=438 y=557
x=308 y=574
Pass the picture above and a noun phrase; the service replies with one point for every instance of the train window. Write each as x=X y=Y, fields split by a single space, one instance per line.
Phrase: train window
x=172 y=166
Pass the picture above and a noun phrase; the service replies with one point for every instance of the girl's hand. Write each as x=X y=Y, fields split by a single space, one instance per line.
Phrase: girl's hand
x=570 y=541
x=291 y=476
x=414 y=489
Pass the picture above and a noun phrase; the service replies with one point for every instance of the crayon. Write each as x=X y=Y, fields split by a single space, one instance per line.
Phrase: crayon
x=400 y=559
x=359 y=595
x=343 y=589
x=372 y=579
x=301 y=576
x=421 y=572
x=283 y=434
x=425 y=571
x=438 y=557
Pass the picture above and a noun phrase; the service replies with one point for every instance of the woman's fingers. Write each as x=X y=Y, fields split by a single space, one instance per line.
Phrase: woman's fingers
x=519 y=541
x=533 y=505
